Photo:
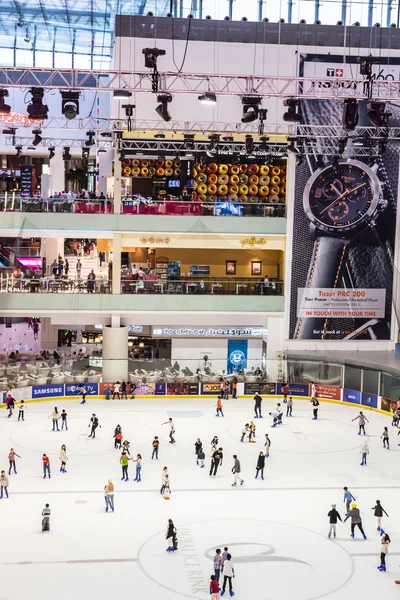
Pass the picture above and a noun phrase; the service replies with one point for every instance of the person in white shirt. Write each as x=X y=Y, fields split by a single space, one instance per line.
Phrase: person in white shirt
x=172 y=430
x=117 y=389
x=63 y=458
x=229 y=573
x=140 y=273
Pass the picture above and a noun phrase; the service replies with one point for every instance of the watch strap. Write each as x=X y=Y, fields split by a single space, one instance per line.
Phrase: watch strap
x=329 y=257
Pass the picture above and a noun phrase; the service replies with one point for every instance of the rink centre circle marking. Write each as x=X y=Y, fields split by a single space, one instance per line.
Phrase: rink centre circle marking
x=264 y=551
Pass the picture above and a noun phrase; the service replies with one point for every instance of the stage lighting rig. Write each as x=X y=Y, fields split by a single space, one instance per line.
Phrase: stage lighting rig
x=377 y=114
x=129 y=108
x=150 y=62
x=90 y=141
x=66 y=153
x=262 y=115
x=264 y=147
x=4 y=108
x=291 y=147
x=36 y=109
x=37 y=137
x=19 y=151
x=188 y=139
x=70 y=104
x=249 y=144
x=291 y=115
x=51 y=152
x=162 y=108
x=250 y=108
x=350 y=114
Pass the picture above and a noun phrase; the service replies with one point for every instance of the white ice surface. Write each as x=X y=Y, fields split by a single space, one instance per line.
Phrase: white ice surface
x=277 y=528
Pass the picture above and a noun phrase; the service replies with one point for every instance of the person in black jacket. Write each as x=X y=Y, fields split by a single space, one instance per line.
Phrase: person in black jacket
x=257 y=406
x=94 y=423
x=378 y=513
x=171 y=536
x=216 y=460
x=260 y=465
x=333 y=518
x=198 y=445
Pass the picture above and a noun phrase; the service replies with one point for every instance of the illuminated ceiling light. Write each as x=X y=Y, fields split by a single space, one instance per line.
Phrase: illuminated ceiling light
x=36 y=109
x=4 y=108
x=210 y=99
x=162 y=108
x=70 y=104
x=122 y=94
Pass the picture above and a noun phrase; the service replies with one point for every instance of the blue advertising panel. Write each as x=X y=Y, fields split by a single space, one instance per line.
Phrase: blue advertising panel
x=72 y=389
x=295 y=389
x=48 y=391
x=352 y=396
x=237 y=355
x=160 y=389
x=370 y=400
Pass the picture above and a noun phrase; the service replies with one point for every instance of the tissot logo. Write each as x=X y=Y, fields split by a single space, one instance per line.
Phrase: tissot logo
x=291 y=561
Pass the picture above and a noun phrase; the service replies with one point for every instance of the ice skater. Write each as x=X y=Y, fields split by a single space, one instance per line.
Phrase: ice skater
x=46 y=518
x=396 y=418
x=155 y=446
x=355 y=516
x=385 y=541
x=198 y=446
x=10 y=403
x=260 y=465
x=63 y=458
x=245 y=429
x=285 y=392
x=125 y=447
x=94 y=424
x=46 y=466
x=361 y=422
x=257 y=406
x=289 y=407
x=164 y=477
x=275 y=418
x=214 y=443
x=55 y=417
x=124 y=462
x=252 y=432
x=267 y=445
x=3 y=484
x=279 y=412
x=315 y=403
x=82 y=391
x=170 y=536
x=117 y=437
x=379 y=511
x=171 y=430
x=348 y=498
x=228 y=573
x=64 y=422
x=11 y=461
x=364 y=451
x=109 y=495
x=21 y=410
x=216 y=460
x=385 y=438
x=333 y=519
x=219 y=406
x=200 y=458
x=138 y=461
x=218 y=564
x=236 y=469
x=214 y=588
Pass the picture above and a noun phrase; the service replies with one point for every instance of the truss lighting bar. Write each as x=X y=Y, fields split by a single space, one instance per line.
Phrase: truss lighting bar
x=224 y=85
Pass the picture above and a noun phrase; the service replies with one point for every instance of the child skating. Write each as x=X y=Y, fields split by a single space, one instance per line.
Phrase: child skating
x=219 y=407
x=364 y=451
x=124 y=461
x=171 y=430
x=11 y=461
x=257 y=406
x=155 y=446
x=94 y=424
x=109 y=495
x=55 y=417
x=245 y=429
x=214 y=588
x=385 y=438
x=138 y=461
x=46 y=466
x=385 y=541
x=289 y=407
x=315 y=403
x=260 y=465
x=164 y=478
x=348 y=498
x=267 y=445
x=236 y=469
x=333 y=519
x=379 y=511
x=198 y=446
x=228 y=573
x=46 y=518
x=63 y=458
x=21 y=410
x=64 y=422
x=361 y=422
x=3 y=484
x=171 y=536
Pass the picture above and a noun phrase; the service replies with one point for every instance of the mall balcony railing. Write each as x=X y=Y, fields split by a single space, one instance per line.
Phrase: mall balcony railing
x=13 y=203
x=206 y=286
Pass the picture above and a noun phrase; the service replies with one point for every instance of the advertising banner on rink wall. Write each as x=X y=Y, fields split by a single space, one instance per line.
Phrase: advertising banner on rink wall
x=344 y=222
x=328 y=391
x=351 y=396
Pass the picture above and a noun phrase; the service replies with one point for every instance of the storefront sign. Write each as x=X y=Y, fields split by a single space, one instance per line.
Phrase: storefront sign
x=352 y=396
x=155 y=240
x=327 y=391
x=72 y=389
x=26 y=180
x=47 y=391
x=370 y=400
x=209 y=332
x=251 y=242
x=295 y=389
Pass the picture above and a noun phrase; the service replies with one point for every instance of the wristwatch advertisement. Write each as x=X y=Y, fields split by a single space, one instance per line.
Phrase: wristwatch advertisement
x=343 y=240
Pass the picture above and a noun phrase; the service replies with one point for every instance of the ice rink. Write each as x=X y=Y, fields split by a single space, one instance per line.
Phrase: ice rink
x=276 y=529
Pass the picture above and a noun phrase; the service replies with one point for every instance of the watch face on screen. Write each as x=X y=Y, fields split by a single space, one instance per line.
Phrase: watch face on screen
x=341 y=196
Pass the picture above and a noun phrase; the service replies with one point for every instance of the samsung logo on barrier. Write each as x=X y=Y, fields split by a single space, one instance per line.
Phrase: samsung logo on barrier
x=192 y=332
x=45 y=390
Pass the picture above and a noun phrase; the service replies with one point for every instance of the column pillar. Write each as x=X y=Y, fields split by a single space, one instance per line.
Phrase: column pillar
x=276 y=368
x=117 y=179
x=57 y=172
x=48 y=334
x=105 y=170
x=50 y=249
x=116 y=264
x=115 y=353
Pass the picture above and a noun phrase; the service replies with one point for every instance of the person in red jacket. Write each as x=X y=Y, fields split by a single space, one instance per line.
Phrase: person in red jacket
x=214 y=588
x=46 y=466
x=285 y=391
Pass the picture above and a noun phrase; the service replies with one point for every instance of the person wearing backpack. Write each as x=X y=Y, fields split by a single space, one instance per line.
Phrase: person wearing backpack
x=315 y=404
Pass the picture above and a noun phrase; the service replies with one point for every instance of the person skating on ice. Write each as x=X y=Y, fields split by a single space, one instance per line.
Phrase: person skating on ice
x=379 y=511
x=3 y=484
x=285 y=392
x=315 y=402
x=257 y=406
x=385 y=438
x=348 y=499
x=55 y=415
x=63 y=458
x=11 y=461
x=109 y=495
x=46 y=518
x=117 y=389
x=198 y=446
x=155 y=446
x=123 y=391
x=10 y=403
x=333 y=519
x=236 y=469
x=64 y=422
x=21 y=410
x=260 y=465
x=171 y=430
x=125 y=447
x=275 y=418
x=200 y=458
x=216 y=460
x=138 y=461
x=218 y=564
x=170 y=536
x=252 y=432
x=245 y=429
x=214 y=443
x=94 y=424
x=124 y=461
x=361 y=422
x=228 y=573
x=364 y=451
x=385 y=541
x=396 y=418
x=279 y=413
x=267 y=445
x=219 y=406
x=214 y=588
x=355 y=516
x=117 y=437
x=46 y=466
x=289 y=407
x=164 y=476
x=82 y=391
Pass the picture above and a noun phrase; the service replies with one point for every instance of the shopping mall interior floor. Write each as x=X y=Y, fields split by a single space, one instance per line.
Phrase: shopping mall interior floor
x=276 y=529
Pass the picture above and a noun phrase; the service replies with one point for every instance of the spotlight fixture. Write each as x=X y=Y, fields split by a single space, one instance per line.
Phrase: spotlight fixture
x=188 y=140
x=121 y=94
x=291 y=115
x=129 y=108
x=350 y=114
x=90 y=140
x=85 y=152
x=342 y=145
x=19 y=151
x=70 y=104
x=38 y=138
x=162 y=108
x=250 y=108
x=263 y=147
x=249 y=144
x=66 y=153
x=228 y=138
x=151 y=55
x=291 y=146
x=36 y=109
x=262 y=115
x=4 y=108
x=51 y=152
x=210 y=99
x=377 y=114
x=214 y=141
